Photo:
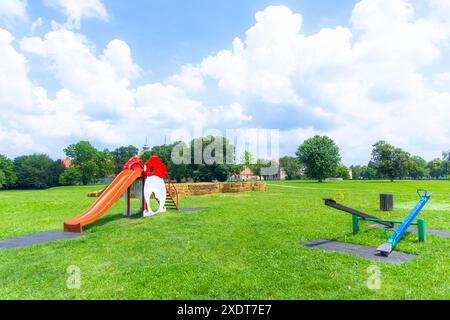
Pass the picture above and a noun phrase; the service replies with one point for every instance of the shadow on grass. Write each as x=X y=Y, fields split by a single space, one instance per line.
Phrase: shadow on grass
x=351 y=234
x=114 y=217
x=110 y=218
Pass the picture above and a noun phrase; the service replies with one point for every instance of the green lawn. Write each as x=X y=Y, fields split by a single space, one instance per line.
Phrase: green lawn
x=243 y=246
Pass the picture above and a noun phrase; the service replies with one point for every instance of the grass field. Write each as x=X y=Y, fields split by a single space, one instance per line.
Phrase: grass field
x=242 y=246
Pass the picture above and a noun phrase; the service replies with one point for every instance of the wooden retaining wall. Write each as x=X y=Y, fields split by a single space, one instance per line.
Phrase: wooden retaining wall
x=204 y=188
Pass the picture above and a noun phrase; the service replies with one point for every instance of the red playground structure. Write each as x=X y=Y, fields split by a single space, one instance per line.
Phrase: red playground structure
x=150 y=176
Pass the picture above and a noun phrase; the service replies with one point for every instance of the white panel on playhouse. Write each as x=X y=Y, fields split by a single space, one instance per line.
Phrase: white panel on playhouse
x=155 y=171
x=155 y=185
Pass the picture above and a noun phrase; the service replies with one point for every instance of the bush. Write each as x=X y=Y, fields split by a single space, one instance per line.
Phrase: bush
x=8 y=177
x=342 y=172
x=70 y=177
x=36 y=171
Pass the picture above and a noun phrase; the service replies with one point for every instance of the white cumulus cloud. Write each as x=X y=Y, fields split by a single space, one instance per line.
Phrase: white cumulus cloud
x=16 y=90
x=378 y=76
x=369 y=75
x=76 y=10
x=102 y=82
x=11 y=10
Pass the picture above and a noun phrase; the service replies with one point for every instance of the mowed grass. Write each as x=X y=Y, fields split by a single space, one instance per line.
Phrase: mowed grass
x=242 y=246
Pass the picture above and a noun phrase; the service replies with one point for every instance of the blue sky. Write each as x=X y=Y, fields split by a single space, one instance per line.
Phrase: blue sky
x=164 y=35
x=356 y=70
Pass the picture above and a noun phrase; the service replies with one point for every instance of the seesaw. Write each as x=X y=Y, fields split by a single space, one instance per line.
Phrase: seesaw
x=397 y=233
x=386 y=248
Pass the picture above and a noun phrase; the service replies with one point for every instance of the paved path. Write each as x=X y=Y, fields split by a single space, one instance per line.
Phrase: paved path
x=364 y=251
x=439 y=233
x=38 y=238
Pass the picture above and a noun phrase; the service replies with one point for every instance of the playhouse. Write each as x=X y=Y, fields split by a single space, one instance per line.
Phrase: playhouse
x=150 y=178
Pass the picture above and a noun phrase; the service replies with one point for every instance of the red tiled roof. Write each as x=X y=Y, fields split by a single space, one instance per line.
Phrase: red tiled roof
x=247 y=172
x=67 y=163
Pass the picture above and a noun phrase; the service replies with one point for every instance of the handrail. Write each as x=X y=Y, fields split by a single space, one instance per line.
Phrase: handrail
x=170 y=183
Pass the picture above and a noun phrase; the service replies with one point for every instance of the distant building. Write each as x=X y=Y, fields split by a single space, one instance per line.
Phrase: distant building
x=280 y=175
x=66 y=163
x=247 y=175
x=283 y=174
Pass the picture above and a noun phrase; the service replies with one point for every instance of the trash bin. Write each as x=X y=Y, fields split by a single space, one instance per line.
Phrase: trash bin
x=386 y=202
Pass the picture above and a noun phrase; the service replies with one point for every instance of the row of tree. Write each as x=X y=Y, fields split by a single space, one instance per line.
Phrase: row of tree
x=389 y=162
x=216 y=163
x=89 y=165
x=317 y=158
x=37 y=171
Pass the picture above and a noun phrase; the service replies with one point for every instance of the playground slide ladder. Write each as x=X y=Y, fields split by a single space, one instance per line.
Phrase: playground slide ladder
x=386 y=248
x=172 y=196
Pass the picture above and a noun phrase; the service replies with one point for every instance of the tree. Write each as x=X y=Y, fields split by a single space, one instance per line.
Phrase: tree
x=364 y=172
x=435 y=168
x=176 y=171
x=235 y=169
x=446 y=155
x=56 y=170
x=70 y=177
x=320 y=156
x=402 y=163
x=213 y=151
x=105 y=164
x=90 y=163
x=446 y=163
x=383 y=158
x=202 y=160
x=390 y=162
x=247 y=159
x=2 y=180
x=35 y=171
x=8 y=177
x=292 y=167
x=179 y=167
x=358 y=172
x=342 y=172
x=121 y=155
x=371 y=172
x=163 y=152
x=419 y=168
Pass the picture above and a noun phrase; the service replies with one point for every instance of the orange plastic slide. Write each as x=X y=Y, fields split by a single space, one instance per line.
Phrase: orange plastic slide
x=111 y=194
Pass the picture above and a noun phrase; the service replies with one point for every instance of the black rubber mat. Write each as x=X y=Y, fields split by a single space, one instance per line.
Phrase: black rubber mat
x=363 y=251
x=191 y=209
x=38 y=238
